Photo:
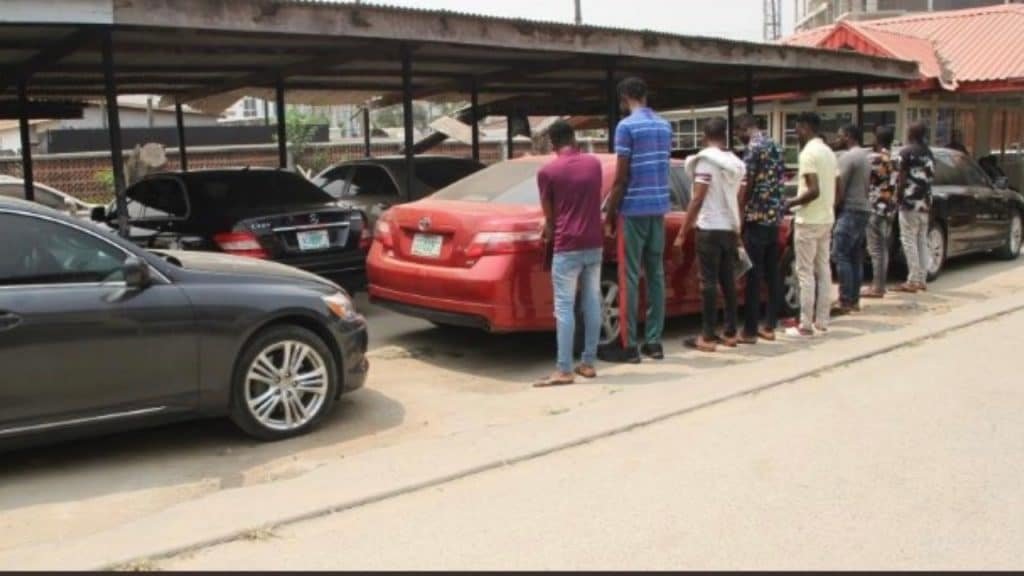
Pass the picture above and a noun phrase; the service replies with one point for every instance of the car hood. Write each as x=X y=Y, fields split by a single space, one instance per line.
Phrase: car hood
x=216 y=263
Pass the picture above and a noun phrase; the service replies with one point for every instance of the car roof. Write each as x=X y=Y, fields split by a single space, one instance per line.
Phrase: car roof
x=26 y=206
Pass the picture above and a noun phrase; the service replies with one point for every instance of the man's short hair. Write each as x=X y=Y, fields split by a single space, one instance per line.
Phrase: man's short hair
x=884 y=135
x=561 y=134
x=809 y=119
x=633 y=88
x=748 y=121
x=917 y=132
x=853 y=132
x=716 y=128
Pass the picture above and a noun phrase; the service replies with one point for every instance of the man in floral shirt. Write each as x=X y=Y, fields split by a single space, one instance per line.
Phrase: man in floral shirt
x=914 y=192
x=761 y=204
x=882 y=196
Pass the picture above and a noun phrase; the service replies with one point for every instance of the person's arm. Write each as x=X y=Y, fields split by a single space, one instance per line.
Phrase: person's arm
x=547 y=203
x=840 y=193
x=845 y=175
x=618 y=191
x=624 y=152
x=901 y=177
x=810 y=173
x=701 y=182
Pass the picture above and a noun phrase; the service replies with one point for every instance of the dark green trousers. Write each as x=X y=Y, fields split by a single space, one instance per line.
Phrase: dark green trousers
x=641 y=254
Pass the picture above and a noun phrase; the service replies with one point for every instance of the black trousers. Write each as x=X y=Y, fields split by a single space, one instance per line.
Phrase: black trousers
x=762 y=243
x=717 y=251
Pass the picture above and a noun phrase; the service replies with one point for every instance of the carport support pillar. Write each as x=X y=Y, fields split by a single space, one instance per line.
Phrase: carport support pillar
x=407 y=121
x=474 y=98
x=366 y=132
x=750 y=91
x=612 y=96
x=26 y=141
x=730 y=120
x=114 y=127
x=179 y=116
x=282 y=127
x=510 y=138
x=860 y=109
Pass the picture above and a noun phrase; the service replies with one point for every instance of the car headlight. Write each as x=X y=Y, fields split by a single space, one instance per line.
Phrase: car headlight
x=341 y=306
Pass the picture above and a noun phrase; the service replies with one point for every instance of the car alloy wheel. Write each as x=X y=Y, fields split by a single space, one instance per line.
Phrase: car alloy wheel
x=936 y=250
x=790 y=287
x=1014 y=238
x=610 y=319
x=286 y=385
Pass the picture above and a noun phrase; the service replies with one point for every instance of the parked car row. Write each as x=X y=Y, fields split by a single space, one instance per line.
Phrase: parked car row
x=225 y=300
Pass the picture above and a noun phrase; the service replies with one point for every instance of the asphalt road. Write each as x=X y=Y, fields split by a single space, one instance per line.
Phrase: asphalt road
x=905 y=461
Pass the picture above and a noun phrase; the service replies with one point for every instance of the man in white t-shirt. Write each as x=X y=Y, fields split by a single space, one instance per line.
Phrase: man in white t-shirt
x=815 y=199
x=716 y=174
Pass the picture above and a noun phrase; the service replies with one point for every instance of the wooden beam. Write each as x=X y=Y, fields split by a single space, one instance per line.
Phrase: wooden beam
x=407 y=121
x=26 y=143
x=114 y=127
x=9 y=110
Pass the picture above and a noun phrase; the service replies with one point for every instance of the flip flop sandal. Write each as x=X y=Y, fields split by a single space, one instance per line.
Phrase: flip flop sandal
x=552 y=381
x=695 y=344
x=587 y=372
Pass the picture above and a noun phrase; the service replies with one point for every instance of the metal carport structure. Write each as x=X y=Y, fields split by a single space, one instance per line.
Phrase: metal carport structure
x=208 y=53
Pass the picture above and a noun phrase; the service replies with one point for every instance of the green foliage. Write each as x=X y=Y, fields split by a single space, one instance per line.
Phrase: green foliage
x=105 y=178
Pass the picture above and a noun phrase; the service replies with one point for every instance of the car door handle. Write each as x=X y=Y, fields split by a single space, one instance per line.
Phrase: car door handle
x=8 y=320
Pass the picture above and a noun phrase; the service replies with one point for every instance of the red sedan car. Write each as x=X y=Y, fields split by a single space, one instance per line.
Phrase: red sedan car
x=472 y=254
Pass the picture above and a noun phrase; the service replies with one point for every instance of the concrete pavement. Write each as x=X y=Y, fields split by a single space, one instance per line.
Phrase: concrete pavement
x=487 y=422
x=907 y=460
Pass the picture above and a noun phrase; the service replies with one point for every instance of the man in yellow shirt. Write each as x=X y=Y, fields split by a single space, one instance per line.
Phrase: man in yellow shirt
x=814 y=206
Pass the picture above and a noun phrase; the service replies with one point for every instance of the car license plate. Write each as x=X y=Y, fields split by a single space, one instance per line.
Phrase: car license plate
x=426 y=245
x=314 y=240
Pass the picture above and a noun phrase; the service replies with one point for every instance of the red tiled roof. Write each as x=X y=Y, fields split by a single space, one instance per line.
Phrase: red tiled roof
x=955 y=47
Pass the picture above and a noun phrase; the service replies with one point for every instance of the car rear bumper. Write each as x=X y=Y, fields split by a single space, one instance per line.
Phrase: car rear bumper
x=348 y=270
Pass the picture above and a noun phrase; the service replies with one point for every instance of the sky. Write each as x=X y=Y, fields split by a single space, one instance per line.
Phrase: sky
x=736 y=19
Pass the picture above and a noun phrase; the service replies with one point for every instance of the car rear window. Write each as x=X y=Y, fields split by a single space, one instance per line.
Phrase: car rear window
x=440 y=173
x=504 y=183
x=260 y=190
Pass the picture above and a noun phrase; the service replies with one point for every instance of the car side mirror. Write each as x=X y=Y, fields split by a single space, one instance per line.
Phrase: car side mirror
x=98 y=214
x=1002 y=182
x=136 y=273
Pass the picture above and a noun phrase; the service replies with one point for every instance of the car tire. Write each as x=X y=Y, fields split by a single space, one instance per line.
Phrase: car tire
x=936 y=250
x=790 y=305
x=301 y=387
x=1014 y=237
x=610 y=325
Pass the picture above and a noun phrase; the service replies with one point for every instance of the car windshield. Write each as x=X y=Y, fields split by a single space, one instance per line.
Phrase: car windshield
x=504 y=183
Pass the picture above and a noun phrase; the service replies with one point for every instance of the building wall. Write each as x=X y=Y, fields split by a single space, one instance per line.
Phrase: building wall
x=815 y=13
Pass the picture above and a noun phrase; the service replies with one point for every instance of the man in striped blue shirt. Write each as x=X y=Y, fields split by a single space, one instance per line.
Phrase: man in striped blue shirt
x=636 y=209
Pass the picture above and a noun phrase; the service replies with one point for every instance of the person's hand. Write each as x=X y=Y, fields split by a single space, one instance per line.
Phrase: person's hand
x=680 y=241
x=609 y=224
x=547 y=233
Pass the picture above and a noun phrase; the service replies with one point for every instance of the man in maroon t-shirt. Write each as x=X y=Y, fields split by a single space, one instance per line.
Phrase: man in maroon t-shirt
x=570 y=192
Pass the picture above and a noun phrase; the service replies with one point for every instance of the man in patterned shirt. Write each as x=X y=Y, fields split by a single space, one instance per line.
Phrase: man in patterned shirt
x=882 y=196
x=914 y=189
x=761 y=204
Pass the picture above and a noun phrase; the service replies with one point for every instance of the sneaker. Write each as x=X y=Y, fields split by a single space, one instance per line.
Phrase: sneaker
x=797 y=332
x=616 y=354
x=748 y=338
x=818 y=328
x=766 y=334
x=653 y=351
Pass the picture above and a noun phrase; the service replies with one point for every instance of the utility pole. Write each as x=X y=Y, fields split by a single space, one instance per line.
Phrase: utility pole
x=772 y=20
x=579 y=13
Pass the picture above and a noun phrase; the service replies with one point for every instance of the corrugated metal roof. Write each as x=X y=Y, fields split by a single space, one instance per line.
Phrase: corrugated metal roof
x=973 y=45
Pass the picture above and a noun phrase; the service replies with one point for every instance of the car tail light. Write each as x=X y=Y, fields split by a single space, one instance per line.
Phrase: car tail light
x=382 y=233
x=365 y=239
x=240 y=244
x=491 y=243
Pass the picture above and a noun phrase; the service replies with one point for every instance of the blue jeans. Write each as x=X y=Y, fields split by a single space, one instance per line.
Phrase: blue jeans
x=581 y=268
x=848 y=254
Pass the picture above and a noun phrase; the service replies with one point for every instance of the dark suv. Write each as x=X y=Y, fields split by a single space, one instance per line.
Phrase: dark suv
x=261 y=213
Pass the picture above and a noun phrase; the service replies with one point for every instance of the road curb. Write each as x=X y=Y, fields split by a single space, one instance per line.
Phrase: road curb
x=575 y=429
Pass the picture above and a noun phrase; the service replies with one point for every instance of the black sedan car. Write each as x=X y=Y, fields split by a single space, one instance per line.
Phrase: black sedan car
x=97 y=334
x=375 y=184
x=261 y=213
